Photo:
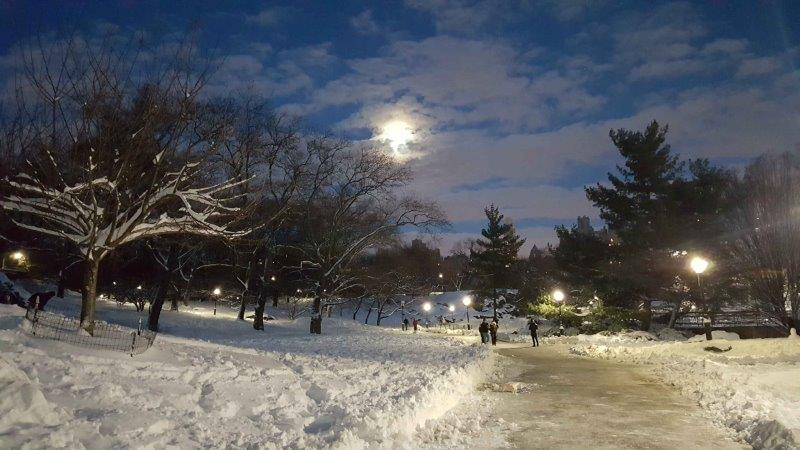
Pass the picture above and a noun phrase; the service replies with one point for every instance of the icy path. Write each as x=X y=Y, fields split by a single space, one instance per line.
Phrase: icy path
x=579 y=403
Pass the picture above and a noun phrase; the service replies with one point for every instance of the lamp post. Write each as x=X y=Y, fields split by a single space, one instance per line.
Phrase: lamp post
x=18 y=258
x=558 y=295
x=452 y=309
x=217 y=292
x=467 y=300
x=699 y=265
x=427 y=308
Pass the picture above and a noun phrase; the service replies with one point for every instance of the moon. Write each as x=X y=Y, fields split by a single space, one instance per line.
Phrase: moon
x=397 y=133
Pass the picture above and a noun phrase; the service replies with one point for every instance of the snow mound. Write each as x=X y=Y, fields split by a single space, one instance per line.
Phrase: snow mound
x=670 y=334
x=25 y=415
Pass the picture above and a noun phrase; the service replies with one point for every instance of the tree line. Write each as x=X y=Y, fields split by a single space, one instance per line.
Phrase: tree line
x=115 y=149
x=661 y=211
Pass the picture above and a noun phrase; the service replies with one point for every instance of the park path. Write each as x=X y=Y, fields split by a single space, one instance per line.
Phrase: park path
x=579 y=403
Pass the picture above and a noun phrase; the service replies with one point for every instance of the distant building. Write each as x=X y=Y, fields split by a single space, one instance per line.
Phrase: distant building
x=585 y=228
x=584 y=225
x=420 y=246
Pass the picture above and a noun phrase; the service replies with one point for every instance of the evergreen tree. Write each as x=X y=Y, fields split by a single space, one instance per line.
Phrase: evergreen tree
x=583 y=262
x=494 y=256
x=659 y=212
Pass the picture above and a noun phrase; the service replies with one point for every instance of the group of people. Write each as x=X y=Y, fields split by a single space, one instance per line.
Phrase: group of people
x=414 y=322
x=488 y=330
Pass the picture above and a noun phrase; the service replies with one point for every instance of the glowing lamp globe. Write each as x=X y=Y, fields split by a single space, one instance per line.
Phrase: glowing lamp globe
x=452 y=308
x=426 y=306
x=467 y=300
x=558 y=295
x=698 y=264
x=217 y=291
x=18 y=256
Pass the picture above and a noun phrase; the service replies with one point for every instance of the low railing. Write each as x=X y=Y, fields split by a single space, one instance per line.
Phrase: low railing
x=730 y=319
x=105 y=336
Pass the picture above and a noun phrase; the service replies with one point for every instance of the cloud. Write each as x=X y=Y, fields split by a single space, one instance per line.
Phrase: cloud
x=470 y=17
x=461 y=82
x=757 y=66
x=569 y=10
x=265 y=18
x=364 y=23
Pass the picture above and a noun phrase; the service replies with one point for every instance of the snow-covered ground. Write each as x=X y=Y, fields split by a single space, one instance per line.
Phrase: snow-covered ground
x=212 y=381
x=753 y=388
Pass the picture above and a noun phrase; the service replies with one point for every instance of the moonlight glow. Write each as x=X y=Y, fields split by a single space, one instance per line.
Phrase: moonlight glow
x=397 y=133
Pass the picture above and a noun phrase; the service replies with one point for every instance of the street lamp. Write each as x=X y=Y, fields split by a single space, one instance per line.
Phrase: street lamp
x=558 y=296
x=217 y=292
x=698 y=264
x=273 y=279
x=467 y=300
x=427 y=308
x=17 y=259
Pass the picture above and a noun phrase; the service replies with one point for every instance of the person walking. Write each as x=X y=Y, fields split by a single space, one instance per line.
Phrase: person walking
x=483 y=329
x=405 y=324
x=415 y=323
x=534 y=327
x=493 y=330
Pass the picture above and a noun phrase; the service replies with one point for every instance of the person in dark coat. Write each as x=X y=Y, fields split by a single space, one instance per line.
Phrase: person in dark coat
x=415 y=323
x=534 y=328
x=483 y=329
x=493 y=330
x=405 y=324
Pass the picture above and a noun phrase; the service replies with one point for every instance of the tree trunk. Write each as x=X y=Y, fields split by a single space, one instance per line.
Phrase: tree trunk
x=163 y=285
x=648 y=314
x=369 y=311
x=358 y=307
x=258 y=320
x=246 y=290
x=380 y=314
x=316 y=318
x=89 y=294
x=62 y=282
x=494 y=302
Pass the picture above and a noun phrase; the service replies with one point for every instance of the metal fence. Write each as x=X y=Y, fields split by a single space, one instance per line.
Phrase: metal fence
x=106 y=336
x=731 y=319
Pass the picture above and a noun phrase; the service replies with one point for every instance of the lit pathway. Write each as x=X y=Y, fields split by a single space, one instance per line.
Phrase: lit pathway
x=587 y=403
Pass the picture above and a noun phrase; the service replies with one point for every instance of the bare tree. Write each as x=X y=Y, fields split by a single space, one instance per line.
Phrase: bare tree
x=266 y=149
x=766 y=240
x=122 y=156
x=350 y=204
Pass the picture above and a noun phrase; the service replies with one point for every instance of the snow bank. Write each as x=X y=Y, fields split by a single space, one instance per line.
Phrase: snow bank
x=753 y=388
x=212 y=381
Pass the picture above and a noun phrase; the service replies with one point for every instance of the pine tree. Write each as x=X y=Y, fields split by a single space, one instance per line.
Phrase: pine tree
x=657 y=209
x=494 y=256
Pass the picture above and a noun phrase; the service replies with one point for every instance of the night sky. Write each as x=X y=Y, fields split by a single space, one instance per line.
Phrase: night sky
x=489 y=101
